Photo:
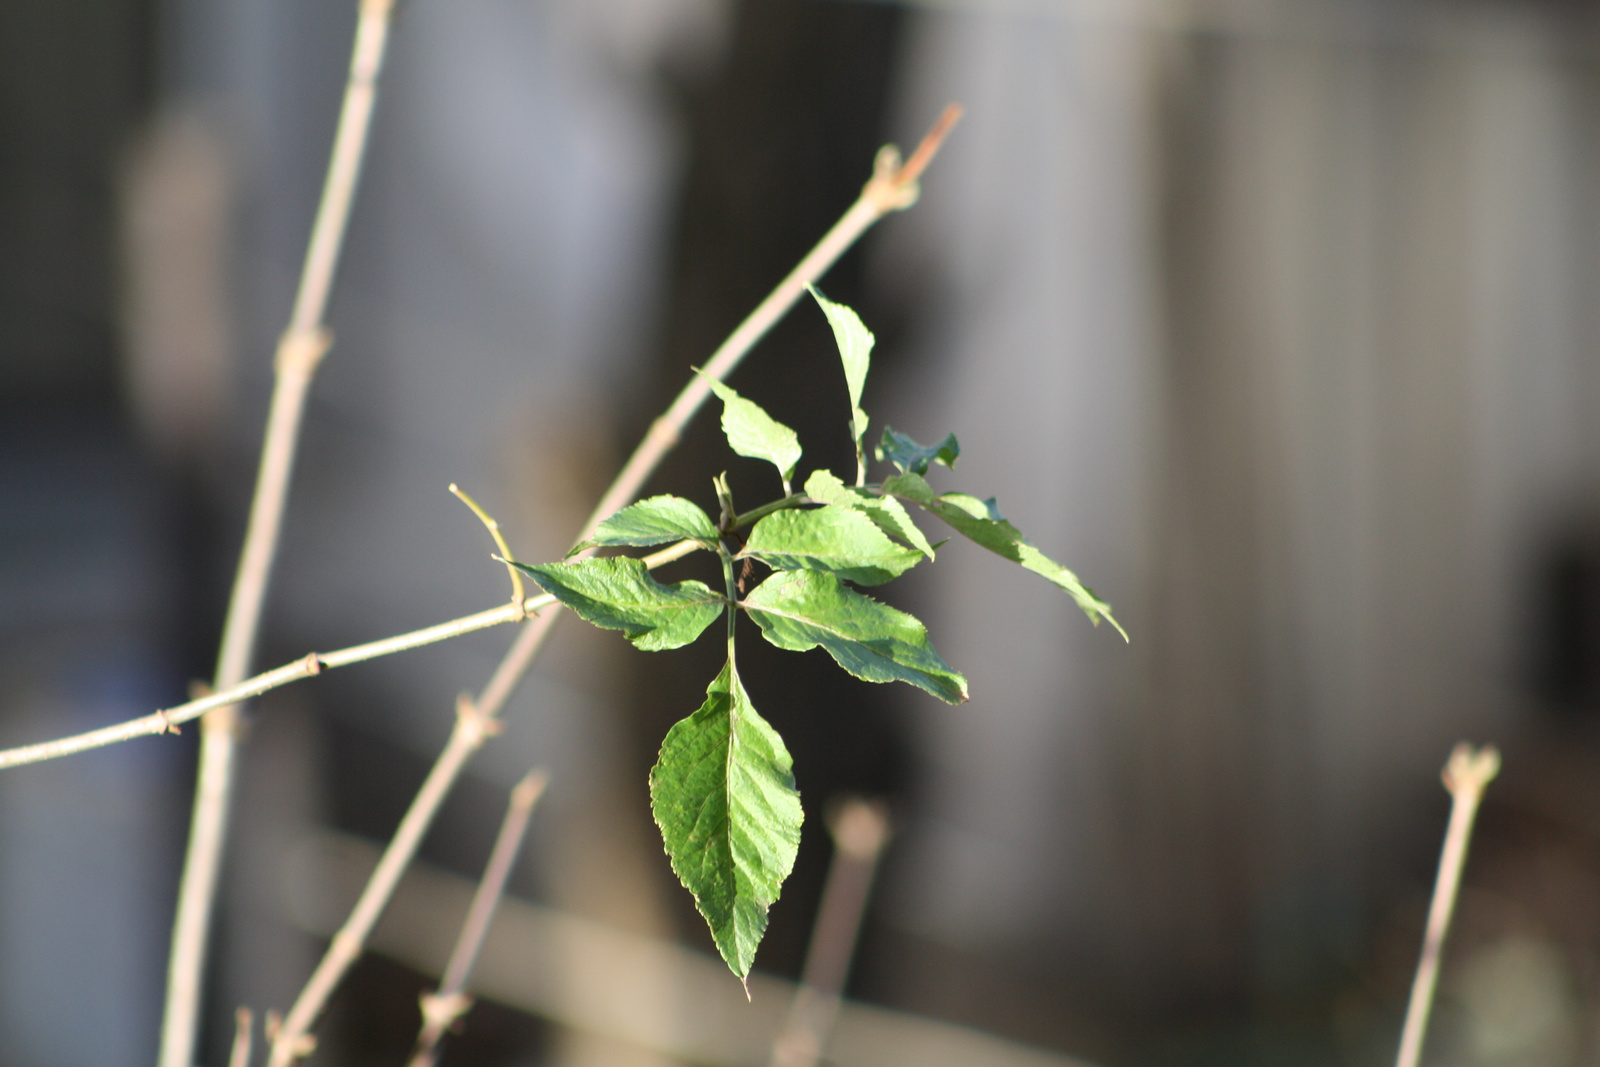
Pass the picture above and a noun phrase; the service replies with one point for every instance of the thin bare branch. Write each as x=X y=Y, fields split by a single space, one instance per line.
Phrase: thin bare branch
x=445 y=1005
x=299 y=352
x=168 y=720
x=1466 y=776
x=243 y=1024
x=888 y=190
x=860 y=830
x=489 y=523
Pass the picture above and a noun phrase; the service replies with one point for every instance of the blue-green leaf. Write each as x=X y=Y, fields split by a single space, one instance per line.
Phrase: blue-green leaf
x=799 y=610
x=723 y=794
x=981 y=521
x=855 y=349
x=887 y=513
x=752 y=432
x=619 y=594
x=908 y=455
x=838 y=540
x=655 y=521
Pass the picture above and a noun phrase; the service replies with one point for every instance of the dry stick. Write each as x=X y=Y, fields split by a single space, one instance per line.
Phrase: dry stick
x=893 y=187
x=299 y=352
x=441 y=1008
x=860 y=830
x=1466 y=775
x=168 y=720
x=243 y=1022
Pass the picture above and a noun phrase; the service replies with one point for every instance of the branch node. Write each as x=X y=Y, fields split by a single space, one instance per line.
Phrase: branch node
x=314 y=664
x=1470 y=771
x=167 y=725
x=895 y=187
x=300 y=350
x=480 y=726
x=443 y=1012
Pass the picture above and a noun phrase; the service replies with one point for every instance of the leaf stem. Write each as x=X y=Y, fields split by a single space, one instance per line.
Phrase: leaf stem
x=1466 y=775
x=441 y=1008
x=299 y=352
x=793 y=500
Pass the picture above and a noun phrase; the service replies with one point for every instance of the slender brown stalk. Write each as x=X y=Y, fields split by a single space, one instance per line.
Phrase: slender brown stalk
x=244 y=1021
x=299 y=352
x=168 y=720
x=860 y=830
x=442 y=1007
x=1466 y=776
x=893 y=187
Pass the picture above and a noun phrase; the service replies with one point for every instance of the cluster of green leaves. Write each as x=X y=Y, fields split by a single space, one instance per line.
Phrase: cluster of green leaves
x=723 y=789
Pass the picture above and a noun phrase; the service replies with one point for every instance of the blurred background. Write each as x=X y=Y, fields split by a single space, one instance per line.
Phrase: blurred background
x=1276 y=321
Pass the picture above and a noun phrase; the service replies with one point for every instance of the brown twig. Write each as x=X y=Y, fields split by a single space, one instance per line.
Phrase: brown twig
x=448 y=1003
x=860 y=830
x=1466 y=776
x=883 y=193
x=243 y=1023
x=299 y=352
x=168 y=720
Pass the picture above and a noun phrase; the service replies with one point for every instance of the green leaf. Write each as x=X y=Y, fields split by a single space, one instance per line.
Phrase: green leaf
x=656 y=521
x=799 y=610
x=619 y=594
x=910 y=456
x=886 y=512
x=855 y=349
x=838 y=540
x=723 y=794
x=752 y=432
x=981 y=521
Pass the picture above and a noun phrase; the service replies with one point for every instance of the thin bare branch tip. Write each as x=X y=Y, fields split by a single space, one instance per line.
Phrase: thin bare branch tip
x=1469 y=770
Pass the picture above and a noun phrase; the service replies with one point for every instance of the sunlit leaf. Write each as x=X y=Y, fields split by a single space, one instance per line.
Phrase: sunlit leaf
x=981 y=521
x=723 y=794
x=800 y=610
x=855 y=350
x=752 y=432
x=620 y=594
x=655 y=521
x=887 y=513
x=835 y=539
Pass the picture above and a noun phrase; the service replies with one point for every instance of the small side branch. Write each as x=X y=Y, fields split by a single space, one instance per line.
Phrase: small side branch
x=169 y=719
x=445 y=1005
x=1466 y=776
x=243 y=1023
x=517 y=593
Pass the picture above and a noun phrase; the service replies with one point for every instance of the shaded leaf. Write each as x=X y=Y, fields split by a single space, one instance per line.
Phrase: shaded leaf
x=981 y=521
x=910 y=456
x=799 y=610
x=620 y=594
x=838 y=540
x=723 y=794
x=655 y=521
x=887 y=513
x=753 y=433
x=855 y=349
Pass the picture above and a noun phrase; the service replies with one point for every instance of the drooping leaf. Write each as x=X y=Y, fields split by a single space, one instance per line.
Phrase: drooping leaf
x=908 y=455
x=799 y=610
x=855 y=349
x=887 y=513
x=723 y=794
x=835 y=539
x=654 y=521
x=620 y=594
x=753 y=433
x=981 y=521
